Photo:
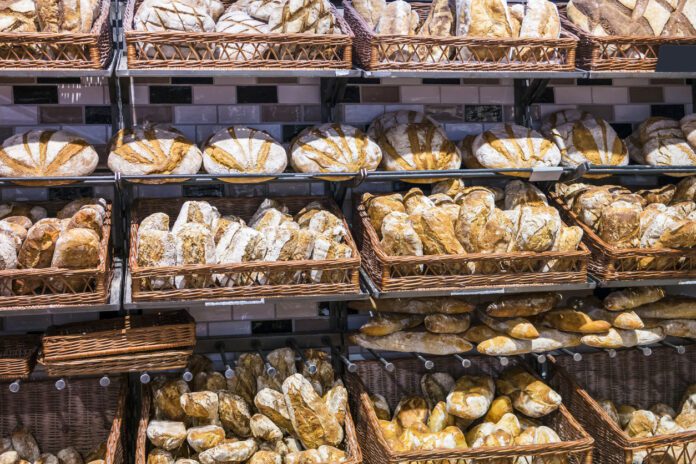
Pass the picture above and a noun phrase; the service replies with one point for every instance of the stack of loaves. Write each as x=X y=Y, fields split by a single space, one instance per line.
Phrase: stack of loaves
x=535 y=19
x=30 y=240
x=660 y=141
x=47 y=153
x=475 y=411
x=48 y=15
x=663 y=217
x=289 y=417
x=21 y=448
x=201 y=235
x=243 y=17
x=457 y=220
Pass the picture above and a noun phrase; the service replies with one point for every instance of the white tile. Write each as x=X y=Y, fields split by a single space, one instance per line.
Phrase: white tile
x=67 y=318
x=498 y=95
x=575 y=95
x=253 y=312
x=213 y=313
x=459 y=94
x=631 y=113
x=235 y=80
x=142 y=94
x=12 y=115
x=239 y=114
x=27 y=323
x=677 y=94
x=459 y=131
x=203 y=132
x=188 y=131
x=390 y=108
x=299 y=94
x=5 y=95
x=276 y=130
x=361 y=114
x=229 y=328
x=202 y=329
x=94 y=134
x=195 y=114
x=609 y=95
x=214 y=94
x=420 y=94
x=631 y=82
x=291 y=310
x=79 y=95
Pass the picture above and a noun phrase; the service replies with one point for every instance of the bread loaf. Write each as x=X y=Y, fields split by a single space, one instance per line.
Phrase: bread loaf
x=471 y=397
x=156 y=248
x=411 y=411
x=194 y=245
x=35 y=213
x=511 y=146
x=75 y=249
x=266 y=457
x=381 y=407
x=484 y=19
x=538 y=227
x=398 y=19
x=567 y=239
x=399 y=238
x=264 y=429
x=436 y=231
x=672 y=307
x=386 y=323
x=334 y=148
x=523 y=305
x=298 y=16
x=436 y=387
x=69 y=456
x=516 y=327
x=438 y=23
x=548 y=340
x=239 y=22
x=684 y=328
x=479 y=333
x=378 y=207
x=447 y=323
x=234 y=414
x=530 y=396
x=78 y=15
x=518 y=193
x=633 y=297
x=237 y=451
x=24 y=443
x=18 y=16
x=271 y=403
x=49 y=153
x=88 y=217
x=204 y=437
x=664 y=144
x=569 y=320
x=166 y=435
x=201 y=405
x=590 y=140
x=617 y=338
x=627 y=320
x=37 y=249
x=688 y=127
x=391 y=119
x=419 y=342
x=370 y=10
x=476 y=209
x=242 y=149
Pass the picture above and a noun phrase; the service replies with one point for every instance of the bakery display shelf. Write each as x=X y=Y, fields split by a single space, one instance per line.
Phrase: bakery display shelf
x=577 y=74
x=465 y=291
x=679 y=282
x=638 y=75
x=114 y=303
x=231 y=345
x=108 y=71
x=102 y=178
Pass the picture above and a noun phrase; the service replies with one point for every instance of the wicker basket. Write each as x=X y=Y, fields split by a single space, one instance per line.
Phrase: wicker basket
x=142 y=445
x=343 y=274
x=629 y=378
x=117 y=364
x=609 y=263
x=58 y=50
x=619 y=53
x=444 y=272
x=376 y=52
x=173 y=49
x=576 y=447
x=57 y=286
x=83 y=415
x=130 y=334
x=17 y=356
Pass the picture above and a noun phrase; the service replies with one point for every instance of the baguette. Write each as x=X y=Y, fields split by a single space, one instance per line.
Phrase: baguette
x=418 y=342
x=627 y=320
x=523 y=305
x=447 y=323
x=515 y=327
x=675 y=307
x=683 y=328
x=385 y=324
x=416 y=306
x=480 y=333
x=617 y=338
x=631 y=298
x=548 y=340
x=570 y=320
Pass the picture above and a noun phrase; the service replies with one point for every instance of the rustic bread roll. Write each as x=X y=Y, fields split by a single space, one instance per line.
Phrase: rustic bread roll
x=370 y=10
x=569 y=320
x=642 y=424
x=411 y=411
x=589 y=203
x=16 y=232
x=518 y=193
x=88 y=217
x=548 y=340
x=166 y=435
x=501 y=406
x=24 y=443
x=436 y=387
x=271 y=404
x=78 y=15
x=381 y=407
x=240 y=149
x=416 y=202
x=436 y=231
x=523 y=305
x=213 y=8
x=511 y=146
x=151 y=150
x=238 y=451
x=311 y=16
x=70 y=456
x=156 y=248
x=567 y=239
x=69 y=210
x=157 y=456
x=266 y=457
x=419 y=342
x=417 y=147
x=471 y=397
x=662 y=409
x=194 y=245
x=662 y=195
x=530 y=396
x=21 y=221
x=617 y=338
x=439 y=418
x=605 y=18
x=75 y=249
x=447 y=323
x=476 y=209
x=239 y=22
x=385 y=323
x=166 y=400
x=516 y=327
x=447 y=204
x=37 y=249
x=264 y=429
x=234 y=413
x=538 y=226
x=609 y=408
x=334 y=148
x=633 y=297
x=18 y=16
x=541 y=20
x=688 y=127
x=378 y=207
x=399 y=238
x=204 y=437
x=201 y=405
x=47 y=153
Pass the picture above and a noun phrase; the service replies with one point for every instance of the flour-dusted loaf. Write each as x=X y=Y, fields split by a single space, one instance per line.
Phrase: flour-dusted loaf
x=199 y=212
x=471 y=397
x=664 y=143
x=24 y=443
x=529 y=395
x=312 y=16
x=541 y=20
x=370 y=10
x=437 y=233
x=230 y=451
x=78 y=15
x=334 y=148
x=194 y=245
x=212 y=8
x=398 y=18
x=156 y=248
x=688 y=127
x=548 y=340
x=46 y=153
x=438 y=23
x=18 y=16
x=239 y=22
x=149 y=150
x=75 y=249
x=484 y=19
x=380 y=206
x=387 y=120
x=399 y=238
x=537 y=228
x=37 y=251
x=166 y=435
x=385 y=323
x=590 y=140
x=418 y=147
x=243 y=150
x=525 y=305
x=617 y=338
x=512 y=146
x=246 y=245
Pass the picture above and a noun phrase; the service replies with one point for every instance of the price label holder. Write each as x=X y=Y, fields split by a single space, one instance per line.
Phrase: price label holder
x=676 y=58
x=546 y=174
x=490 y=291
x=260 y=301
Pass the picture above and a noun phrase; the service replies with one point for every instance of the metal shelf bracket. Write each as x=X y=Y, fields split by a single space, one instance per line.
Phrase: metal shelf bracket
x=527 y=91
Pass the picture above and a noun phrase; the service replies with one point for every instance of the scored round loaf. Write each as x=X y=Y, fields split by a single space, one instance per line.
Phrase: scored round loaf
x=688 y=127
x=590 y=140
x=47 y=153
x=312 y=16
x=213 y=8
x=334 y=148
x=148 y=150
x=239 y=22
x=512 y=146
x=393 y=118
x=418 y=147
x=560 y=118
x=243 y=150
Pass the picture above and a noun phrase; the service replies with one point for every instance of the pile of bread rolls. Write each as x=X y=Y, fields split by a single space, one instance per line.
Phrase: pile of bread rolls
x=30 y=240
x=537 y=19
x=457 y=220
x=48 y=15
x=473 y=412
x=22 y=448
x=663 y=217
x=259 y=17
x=661 y=141
x=201 y=235
x=28 y=155
x=291 y=417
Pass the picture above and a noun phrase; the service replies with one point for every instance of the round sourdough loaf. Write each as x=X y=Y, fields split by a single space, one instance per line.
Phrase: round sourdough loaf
x=334 y=148
x=149 y=150
x=47 y=153
x=512 y=146
x=243 y=150
x=590 y=140
x=393 y=118
x=239 y=22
